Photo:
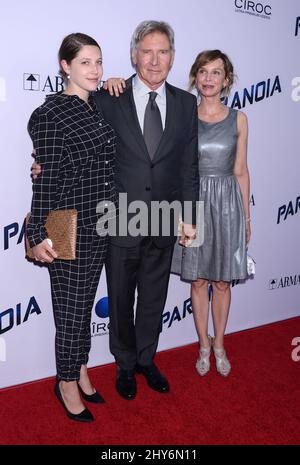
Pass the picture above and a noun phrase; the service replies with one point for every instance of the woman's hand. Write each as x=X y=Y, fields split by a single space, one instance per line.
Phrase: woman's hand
x=114 y=86
x=43 y=252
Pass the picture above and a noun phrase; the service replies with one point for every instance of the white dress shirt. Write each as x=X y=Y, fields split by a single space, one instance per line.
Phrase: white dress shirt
x=141 y=97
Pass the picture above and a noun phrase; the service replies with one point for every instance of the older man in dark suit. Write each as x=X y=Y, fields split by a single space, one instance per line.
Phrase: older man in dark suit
x=156 y=127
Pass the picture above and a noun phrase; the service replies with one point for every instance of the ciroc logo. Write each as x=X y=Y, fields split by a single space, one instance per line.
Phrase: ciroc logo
x=253 y=8
x=18 y=314
x=102 y=311
x=289 y=209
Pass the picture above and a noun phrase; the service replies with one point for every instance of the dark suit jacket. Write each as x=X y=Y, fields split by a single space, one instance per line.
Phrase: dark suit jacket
x=173 y=172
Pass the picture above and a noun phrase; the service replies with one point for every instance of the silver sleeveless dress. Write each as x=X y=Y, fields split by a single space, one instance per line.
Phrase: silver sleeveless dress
x=223 y=255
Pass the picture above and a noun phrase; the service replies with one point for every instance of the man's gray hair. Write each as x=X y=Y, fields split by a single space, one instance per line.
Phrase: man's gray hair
x=147 y=27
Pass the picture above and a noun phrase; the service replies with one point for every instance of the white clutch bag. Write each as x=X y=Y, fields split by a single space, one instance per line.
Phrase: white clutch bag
x=250 y=265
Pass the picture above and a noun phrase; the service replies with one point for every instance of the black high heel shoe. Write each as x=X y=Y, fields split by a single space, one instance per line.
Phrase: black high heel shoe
x=95 y=398
x=84 y=416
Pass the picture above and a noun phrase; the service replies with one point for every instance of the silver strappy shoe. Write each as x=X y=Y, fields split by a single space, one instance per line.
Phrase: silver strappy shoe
x=222 y=363
x=203 y=363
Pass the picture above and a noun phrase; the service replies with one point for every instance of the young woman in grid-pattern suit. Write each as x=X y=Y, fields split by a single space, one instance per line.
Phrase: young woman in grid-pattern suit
x=75 y=148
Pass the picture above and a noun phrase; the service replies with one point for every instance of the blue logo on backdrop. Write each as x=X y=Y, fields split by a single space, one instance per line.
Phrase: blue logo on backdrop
x=102 y=311
x=169 y=318
x=297 y=25
x=256 y=93
x=17 y=315
x=101 y=308
x=13 y=231
x=290 y=209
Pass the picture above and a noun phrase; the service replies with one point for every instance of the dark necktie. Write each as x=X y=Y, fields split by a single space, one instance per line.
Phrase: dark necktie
x=152 y=125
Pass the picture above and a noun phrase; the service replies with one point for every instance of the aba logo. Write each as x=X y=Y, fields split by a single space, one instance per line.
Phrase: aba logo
x=18 y=314
x=288 y=210
x=31 y=81
x=255 y=93
x=49 y=84
x=284 y=281
x=253 y=8
x=102 y=312
x=297 y=25
x=34 y=82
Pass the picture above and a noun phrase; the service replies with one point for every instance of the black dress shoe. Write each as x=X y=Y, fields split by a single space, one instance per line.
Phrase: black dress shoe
x=154 y=377
x=95 y=398
x=126 y=383
x=84 y=416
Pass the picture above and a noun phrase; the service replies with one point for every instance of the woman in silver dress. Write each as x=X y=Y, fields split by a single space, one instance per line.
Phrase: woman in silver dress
x=224 y=189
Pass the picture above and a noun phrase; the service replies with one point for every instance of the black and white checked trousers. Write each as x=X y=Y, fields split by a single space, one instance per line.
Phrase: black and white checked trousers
x=74 y=284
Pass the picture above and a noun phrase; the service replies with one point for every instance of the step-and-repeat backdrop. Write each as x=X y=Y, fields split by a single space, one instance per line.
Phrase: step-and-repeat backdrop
x=263 y=40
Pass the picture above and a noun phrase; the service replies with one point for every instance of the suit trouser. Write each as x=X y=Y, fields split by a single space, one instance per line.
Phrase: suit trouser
x=145 y=268
x=74 y=284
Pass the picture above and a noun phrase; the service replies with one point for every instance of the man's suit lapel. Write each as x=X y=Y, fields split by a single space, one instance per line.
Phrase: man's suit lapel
x=130 y=115
x=170 y=119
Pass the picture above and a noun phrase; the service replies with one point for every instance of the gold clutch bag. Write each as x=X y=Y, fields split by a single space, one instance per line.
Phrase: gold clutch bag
x=61 y=226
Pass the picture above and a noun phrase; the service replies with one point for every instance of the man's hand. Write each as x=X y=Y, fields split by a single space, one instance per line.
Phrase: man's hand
x=43 y=252
x=188 y=234
x=115 y=86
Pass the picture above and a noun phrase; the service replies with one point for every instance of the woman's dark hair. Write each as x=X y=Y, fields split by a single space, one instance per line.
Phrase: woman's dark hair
x=206 y=57
x=70 y=47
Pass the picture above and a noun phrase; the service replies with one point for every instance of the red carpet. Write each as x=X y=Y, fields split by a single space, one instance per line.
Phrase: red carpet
x=258 y=404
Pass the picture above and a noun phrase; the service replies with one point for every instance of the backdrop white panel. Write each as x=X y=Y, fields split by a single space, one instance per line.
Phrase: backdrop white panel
x=263 y=40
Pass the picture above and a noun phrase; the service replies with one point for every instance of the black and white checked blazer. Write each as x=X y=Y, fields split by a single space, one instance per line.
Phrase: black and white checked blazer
x=76 y=150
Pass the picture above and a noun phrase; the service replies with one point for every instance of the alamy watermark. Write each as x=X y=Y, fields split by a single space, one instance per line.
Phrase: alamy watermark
x=158 y=218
